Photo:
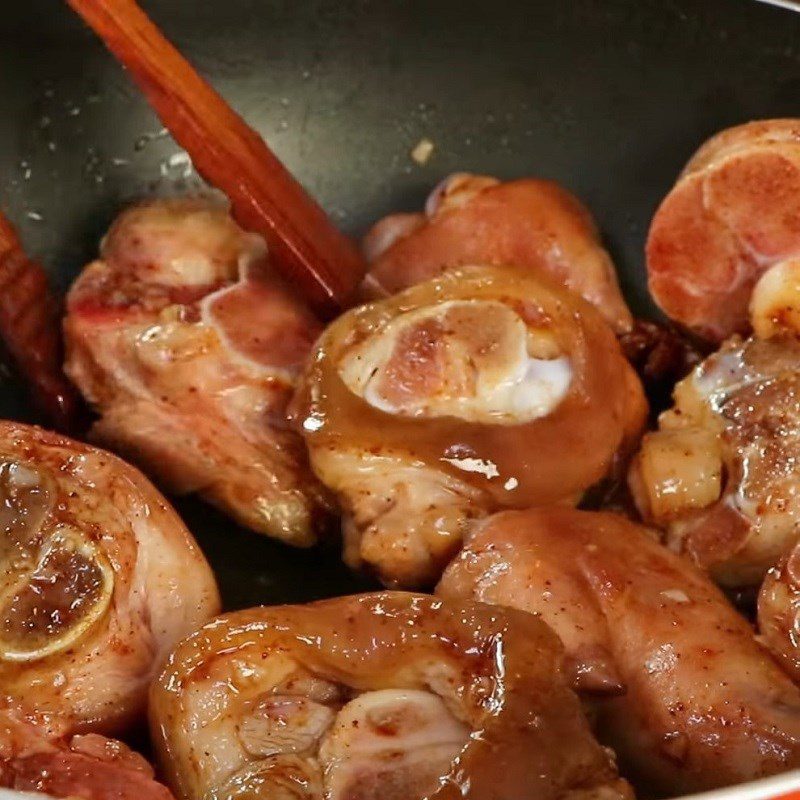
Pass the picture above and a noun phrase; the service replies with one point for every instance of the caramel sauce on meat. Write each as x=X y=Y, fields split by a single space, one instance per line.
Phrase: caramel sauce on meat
x=498 y=670
x=549 y=458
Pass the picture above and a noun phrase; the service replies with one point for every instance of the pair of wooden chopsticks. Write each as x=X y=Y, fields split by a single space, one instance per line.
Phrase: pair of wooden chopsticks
x=316 y=258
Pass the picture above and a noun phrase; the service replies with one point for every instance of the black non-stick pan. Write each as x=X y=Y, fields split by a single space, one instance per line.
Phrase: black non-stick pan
x=608 y=97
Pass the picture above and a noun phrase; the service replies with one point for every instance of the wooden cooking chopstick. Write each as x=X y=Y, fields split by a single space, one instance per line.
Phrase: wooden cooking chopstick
x=30 y=326
x=313 y=255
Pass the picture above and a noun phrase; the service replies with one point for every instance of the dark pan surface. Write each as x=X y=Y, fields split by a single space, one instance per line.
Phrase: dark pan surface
x=608 y=97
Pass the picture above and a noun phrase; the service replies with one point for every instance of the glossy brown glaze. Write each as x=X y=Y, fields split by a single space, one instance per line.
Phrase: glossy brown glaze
x=98 y=578
x=720 y=475
x=188 y=346
x=497 y=671
x=553 y=457
x=695 y=703
x=731 y=216
x=473 y=219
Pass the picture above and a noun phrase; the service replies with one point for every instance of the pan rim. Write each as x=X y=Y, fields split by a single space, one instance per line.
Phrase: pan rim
x=789 y=5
